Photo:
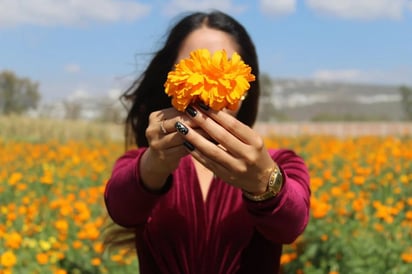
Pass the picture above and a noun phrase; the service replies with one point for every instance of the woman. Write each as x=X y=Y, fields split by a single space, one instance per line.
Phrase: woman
x=201 y=206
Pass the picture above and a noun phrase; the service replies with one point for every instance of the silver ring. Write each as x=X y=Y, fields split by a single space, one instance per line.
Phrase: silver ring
x=162 y=127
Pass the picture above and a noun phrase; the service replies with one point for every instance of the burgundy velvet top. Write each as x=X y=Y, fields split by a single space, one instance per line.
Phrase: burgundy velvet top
x=177 y=232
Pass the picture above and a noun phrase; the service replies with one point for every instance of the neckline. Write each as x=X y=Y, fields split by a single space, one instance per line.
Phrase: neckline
x=204 y=179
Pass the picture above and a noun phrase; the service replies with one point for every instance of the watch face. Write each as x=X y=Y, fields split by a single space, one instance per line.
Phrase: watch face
x=274 y=186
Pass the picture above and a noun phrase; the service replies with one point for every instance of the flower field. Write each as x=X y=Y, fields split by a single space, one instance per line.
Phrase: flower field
x=52 y=214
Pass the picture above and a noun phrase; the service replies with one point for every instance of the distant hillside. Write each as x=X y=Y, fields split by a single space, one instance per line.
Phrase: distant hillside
x=305 y=100
x=289 y=100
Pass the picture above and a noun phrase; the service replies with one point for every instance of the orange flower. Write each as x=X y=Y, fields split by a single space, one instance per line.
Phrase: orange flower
x=42 y=258
x=407 y=257
x=13 y=240
x=8 y=259
x=287 y=258
x=214 y=79
x=96 y=261
x=77 y=244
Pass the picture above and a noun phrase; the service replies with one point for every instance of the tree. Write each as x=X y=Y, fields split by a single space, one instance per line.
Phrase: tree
x=406 y=97
x=17 y=95
x=110 y=110
x=73 y=109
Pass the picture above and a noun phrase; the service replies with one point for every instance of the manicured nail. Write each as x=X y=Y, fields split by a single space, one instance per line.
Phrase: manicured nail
x=188 y=145
x=181 y=128
x=203 y=106
x=192 y=112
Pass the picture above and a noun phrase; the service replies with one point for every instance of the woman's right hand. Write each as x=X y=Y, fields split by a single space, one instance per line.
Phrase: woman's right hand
x=165 y=147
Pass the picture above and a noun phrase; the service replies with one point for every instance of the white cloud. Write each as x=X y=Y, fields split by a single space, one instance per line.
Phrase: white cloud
x=63 y=12
x=72 y=68
x=278 y=7
x=360 y=9
x=177 y=6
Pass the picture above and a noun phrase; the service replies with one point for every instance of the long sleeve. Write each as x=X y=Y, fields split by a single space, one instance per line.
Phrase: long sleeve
x=283 y=218
x=127 y=201
x=183 y=233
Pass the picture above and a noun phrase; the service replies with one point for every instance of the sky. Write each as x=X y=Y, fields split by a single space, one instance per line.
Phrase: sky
x=76 y=48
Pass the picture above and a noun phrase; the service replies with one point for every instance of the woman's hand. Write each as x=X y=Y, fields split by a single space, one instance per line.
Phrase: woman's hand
x=165 y=147
x=240 y=158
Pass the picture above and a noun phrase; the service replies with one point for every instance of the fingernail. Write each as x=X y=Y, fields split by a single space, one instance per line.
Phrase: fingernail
x=192 y=112
x=188 y=145
x=203 y=106
x=181 y=128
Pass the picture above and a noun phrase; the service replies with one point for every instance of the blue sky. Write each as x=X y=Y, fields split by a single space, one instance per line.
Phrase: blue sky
x=96 y=47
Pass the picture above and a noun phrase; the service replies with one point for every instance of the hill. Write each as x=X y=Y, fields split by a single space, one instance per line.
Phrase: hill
x=286 y=100
x=305 y=100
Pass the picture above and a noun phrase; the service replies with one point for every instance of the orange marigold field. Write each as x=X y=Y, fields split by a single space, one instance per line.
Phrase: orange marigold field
x=52 y=213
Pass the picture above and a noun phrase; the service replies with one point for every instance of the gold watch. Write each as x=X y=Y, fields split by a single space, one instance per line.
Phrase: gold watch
x=274 y=186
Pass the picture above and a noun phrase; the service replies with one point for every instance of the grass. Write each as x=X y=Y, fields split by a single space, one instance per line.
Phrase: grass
x=43 y=129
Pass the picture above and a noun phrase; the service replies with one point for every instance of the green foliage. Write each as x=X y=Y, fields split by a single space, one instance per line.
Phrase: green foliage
x=361 y=208
x=406 y=94
x=17 y=95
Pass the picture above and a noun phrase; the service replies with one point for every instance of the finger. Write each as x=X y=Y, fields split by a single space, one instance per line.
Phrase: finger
x=233 y=125
x=216 y=167
x=162 y=127
x=175 y=152
x=172 y=139
x=164 y=120
x=195 y=141
x=221 y=135
x=160 y=141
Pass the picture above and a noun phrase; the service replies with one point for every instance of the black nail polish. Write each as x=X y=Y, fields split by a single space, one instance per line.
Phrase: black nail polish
x=203 y=106
x=188 y=145
x=192 y=112
x=181 y=128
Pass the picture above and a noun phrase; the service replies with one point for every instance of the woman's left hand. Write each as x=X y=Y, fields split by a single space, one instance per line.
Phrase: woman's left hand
x=239 y=158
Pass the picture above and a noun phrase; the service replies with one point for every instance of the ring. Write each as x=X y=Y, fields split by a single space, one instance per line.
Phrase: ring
x=162 y=127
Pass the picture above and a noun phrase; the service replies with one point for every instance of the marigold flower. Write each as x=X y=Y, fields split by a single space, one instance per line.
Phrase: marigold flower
x=13 y=240
x=96 y=261
x=8 y=259
x=216 y=80
x=407 y=257
x=42 y=258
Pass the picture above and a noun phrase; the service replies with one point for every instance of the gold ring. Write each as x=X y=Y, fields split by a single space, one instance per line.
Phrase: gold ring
x=162 y=127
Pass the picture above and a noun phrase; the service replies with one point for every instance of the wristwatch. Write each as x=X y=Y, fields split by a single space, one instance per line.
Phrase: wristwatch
x=274 y=186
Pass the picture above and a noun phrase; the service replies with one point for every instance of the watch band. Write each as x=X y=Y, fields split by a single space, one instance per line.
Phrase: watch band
x=274 y=186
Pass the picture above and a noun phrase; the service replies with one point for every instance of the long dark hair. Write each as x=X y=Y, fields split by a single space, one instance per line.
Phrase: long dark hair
x=147 y=92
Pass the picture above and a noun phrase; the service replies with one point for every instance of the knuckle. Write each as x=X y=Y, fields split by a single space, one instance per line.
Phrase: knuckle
x=251 y=158
x=259 y=143
x=153 y=115
x=150 y=132
x=155 y=145
x=240 y=168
